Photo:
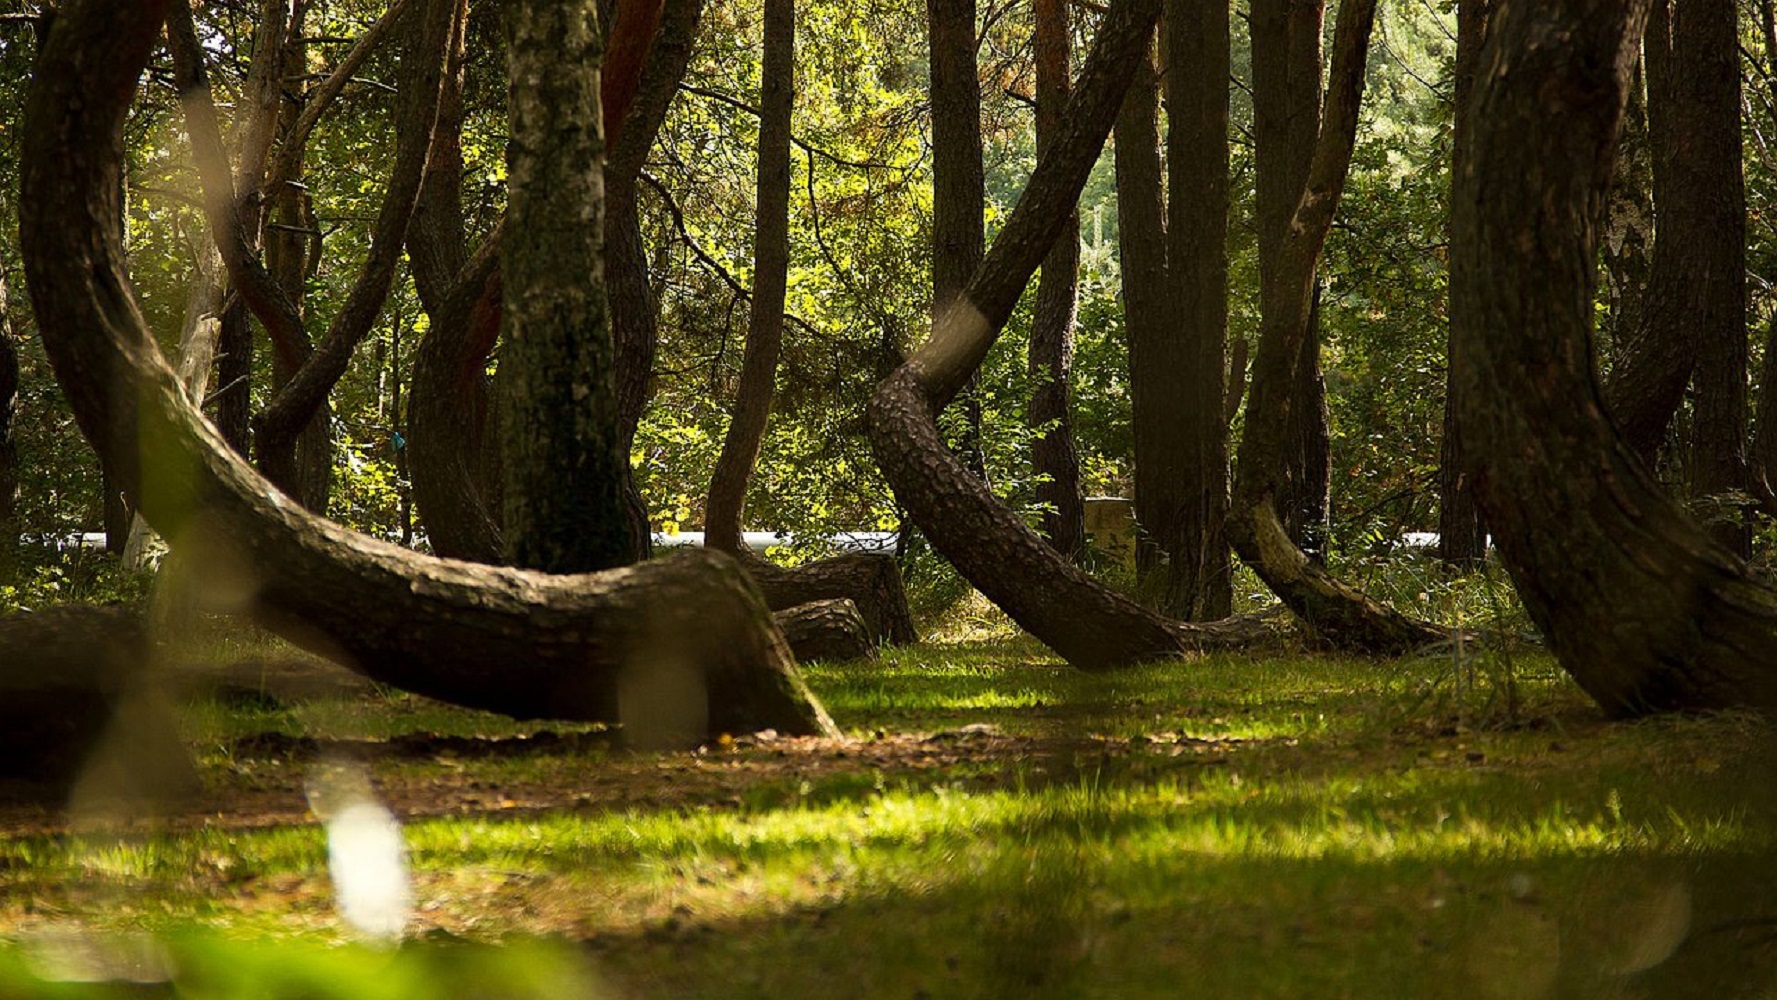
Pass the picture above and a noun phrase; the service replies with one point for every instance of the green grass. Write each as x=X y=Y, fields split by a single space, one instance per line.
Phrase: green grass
x=1299 y=826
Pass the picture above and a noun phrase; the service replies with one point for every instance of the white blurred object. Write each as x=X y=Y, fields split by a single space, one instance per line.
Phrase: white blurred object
x=366 y=854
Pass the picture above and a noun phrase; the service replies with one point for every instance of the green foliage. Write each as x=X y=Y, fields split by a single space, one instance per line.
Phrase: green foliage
x=49 y=575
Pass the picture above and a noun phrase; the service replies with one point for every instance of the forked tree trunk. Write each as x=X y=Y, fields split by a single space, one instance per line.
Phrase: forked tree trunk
x=683 y=643
x=1641 y=607
x=304 y=466
x=235 y=224
x=1177 y=319
x=1696 y=293
x=1089 y=625
x=1054 y=458
x=1462 y=541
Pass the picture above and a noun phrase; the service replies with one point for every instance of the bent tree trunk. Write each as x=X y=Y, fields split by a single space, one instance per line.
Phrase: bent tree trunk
x=771 y=273
x=1089 y=625
x=689 y=632
x=1337 y=612
x=1641 y=607
x=1462 y=541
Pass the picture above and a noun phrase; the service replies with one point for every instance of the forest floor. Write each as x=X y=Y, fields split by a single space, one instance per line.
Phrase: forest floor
x=996 y=825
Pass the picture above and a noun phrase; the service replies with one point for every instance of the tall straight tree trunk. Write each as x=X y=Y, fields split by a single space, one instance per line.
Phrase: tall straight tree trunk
x=565 y=506
x=1705 y=40
x=1462 y=540
x=1054 y=458
x=1156 y=347
x=1286 y=70
x=771 y=273
x=449 y=401
x=1335 y=610
x=959 y=185
x=1640 y=606
x=9 y=455
x=1196 y=38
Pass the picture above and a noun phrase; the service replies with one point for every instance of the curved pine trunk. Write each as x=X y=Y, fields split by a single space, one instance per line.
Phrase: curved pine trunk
x=682 y=647
x=1641 y=607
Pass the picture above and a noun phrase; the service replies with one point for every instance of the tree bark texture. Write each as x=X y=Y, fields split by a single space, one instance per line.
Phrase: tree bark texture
x=959 y=184
x=1338 y=613
x=1705 y=37
x=1089 y=625
x=1191 y=447
x=448 y=419
x=9 y=455
x=437 y=243
x=1763 y=460
x=450 y=399
x=233 y=398
x=1054 y=458
x=871 y=581
x=1628 y=233
x=1286 y=69
x=566 y=510
x=1462 y=540
x=1641 y=607
x=826 y=630
x=771 y=275
x=1156 y=347
x=1696 y=293
x=676 y=647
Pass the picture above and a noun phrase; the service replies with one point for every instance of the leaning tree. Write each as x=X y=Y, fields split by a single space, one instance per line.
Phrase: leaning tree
x=1088 y=624
x=684 y=644
x=1643 y=608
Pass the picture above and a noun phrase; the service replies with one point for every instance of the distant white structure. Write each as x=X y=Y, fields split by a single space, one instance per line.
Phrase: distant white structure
x=760 y=541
